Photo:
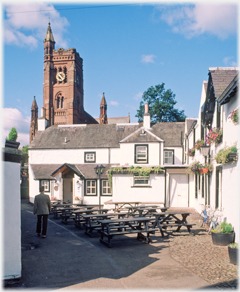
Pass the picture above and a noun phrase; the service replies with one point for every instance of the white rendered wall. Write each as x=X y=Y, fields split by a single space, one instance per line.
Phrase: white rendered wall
x=127 y=153
x=12 y=267
x=123 y=190
x=177 y=154
x=75 y=156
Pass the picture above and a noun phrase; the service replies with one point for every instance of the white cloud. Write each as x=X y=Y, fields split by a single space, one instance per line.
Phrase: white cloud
x=114 y=103
x=26 y=24
x=138 y=96
x=148 y=58
x=216 y=19
x=12 y=117
x=229 y=61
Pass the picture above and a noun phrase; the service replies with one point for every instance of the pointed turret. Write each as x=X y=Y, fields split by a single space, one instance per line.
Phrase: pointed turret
x=34 y=118
x=49 y=43
x=49 y=34
x=103 y=111
x=34 y=104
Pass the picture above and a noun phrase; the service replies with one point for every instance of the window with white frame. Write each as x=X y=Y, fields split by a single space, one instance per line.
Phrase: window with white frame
x=90 y=157
x=91 y=187
x=168 y=157
x=141 y=154
x=45 y=184
x=141 y=181
x=106 y=189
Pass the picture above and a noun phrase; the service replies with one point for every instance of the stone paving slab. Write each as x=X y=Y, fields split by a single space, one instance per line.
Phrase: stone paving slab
x=198 y=253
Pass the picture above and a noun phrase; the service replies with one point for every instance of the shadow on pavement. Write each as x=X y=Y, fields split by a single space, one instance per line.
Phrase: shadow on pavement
x=67 y=256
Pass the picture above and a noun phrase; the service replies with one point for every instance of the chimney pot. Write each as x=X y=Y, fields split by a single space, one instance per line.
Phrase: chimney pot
x=146 y=108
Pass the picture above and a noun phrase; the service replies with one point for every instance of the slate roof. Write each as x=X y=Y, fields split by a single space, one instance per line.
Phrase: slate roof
x=222 y=77
x=171 y=133
x=44 y=171
x=190 y=124
x=103 y=136
x=48 y=171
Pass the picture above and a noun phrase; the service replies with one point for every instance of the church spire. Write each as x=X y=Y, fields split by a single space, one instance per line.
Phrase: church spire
x=49 y=34
x=103 y=111
x=49 y=43
x=34 y=120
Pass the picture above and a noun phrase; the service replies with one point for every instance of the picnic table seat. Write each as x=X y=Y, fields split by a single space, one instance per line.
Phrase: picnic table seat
x=139 y=232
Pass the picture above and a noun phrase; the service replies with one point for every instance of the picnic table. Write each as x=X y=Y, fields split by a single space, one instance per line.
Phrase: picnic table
x=121 y=205
x=122 y=226
x=67 y=213
x=163 y=220
x=91 y=221
x=56 y=208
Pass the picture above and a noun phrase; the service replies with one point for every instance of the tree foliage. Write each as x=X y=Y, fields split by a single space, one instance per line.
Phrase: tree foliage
x=25 y=149
x=12 y=136
x=161 y=105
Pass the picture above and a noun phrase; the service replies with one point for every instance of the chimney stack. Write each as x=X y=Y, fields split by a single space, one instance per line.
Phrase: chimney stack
x=146 y=117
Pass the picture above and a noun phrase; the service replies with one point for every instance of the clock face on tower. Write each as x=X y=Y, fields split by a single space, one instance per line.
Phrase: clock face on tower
x=60 y=76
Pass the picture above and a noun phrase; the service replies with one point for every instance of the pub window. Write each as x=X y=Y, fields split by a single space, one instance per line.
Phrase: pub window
x=168 y=157
x=141 y=180
x=90 y=157
x=106 y=189
x=91 y=187
x=45 y=184
x=141 y=154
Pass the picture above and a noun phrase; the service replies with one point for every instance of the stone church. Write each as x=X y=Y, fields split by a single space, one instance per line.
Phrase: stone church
x=62 y=89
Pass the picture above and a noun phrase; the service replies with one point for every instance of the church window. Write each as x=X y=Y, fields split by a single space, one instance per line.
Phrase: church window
x=65 y=72
x=58 y=102
x=62 y=102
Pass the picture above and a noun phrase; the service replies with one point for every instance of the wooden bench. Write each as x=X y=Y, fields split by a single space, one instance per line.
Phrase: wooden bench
x=139 y=232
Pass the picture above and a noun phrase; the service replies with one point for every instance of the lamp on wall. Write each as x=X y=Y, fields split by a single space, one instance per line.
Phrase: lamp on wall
x=205 y=150
x=99 y=171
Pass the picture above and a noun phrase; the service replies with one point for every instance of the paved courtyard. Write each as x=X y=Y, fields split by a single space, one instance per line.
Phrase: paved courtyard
x=69 y=260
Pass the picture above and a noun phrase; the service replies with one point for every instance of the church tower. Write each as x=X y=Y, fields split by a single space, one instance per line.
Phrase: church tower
x=63 y=85
x=34 y=118
x=103 y=111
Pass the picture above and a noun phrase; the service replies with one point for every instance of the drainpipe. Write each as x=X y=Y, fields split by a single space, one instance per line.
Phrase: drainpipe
x=165 y=195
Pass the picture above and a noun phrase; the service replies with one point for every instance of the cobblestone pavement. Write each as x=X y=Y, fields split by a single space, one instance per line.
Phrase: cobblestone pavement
x=201 y=256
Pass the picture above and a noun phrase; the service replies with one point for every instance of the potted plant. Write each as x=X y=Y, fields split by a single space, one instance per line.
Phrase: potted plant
x=234 y=116
x=223 y=234
x=198 y=144
x=233 y=253
x=207 y=168
x=214 y=136
x=226 y=155
x=191 y=152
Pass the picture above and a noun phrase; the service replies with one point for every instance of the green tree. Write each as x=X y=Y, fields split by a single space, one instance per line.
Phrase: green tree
x=161 y=105
x=12 y=136
x=25 y=149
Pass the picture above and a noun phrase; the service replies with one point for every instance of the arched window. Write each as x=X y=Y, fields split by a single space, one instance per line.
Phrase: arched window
x=58 y=102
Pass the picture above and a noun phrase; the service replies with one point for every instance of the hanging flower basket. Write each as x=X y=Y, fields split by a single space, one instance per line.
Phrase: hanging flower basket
x=191 y=152
x=234 y=116
x=203 y=170
x=227 y=155
x=214 y=136
x=198 y=144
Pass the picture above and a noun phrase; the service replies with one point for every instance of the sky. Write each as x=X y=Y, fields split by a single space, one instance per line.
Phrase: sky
x=126 y=48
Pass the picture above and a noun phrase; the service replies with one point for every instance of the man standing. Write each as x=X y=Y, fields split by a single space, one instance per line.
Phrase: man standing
x=42 y=207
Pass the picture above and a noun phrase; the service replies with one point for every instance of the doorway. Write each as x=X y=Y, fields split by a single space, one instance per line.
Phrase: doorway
x=67 y=177
x=178 y=195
